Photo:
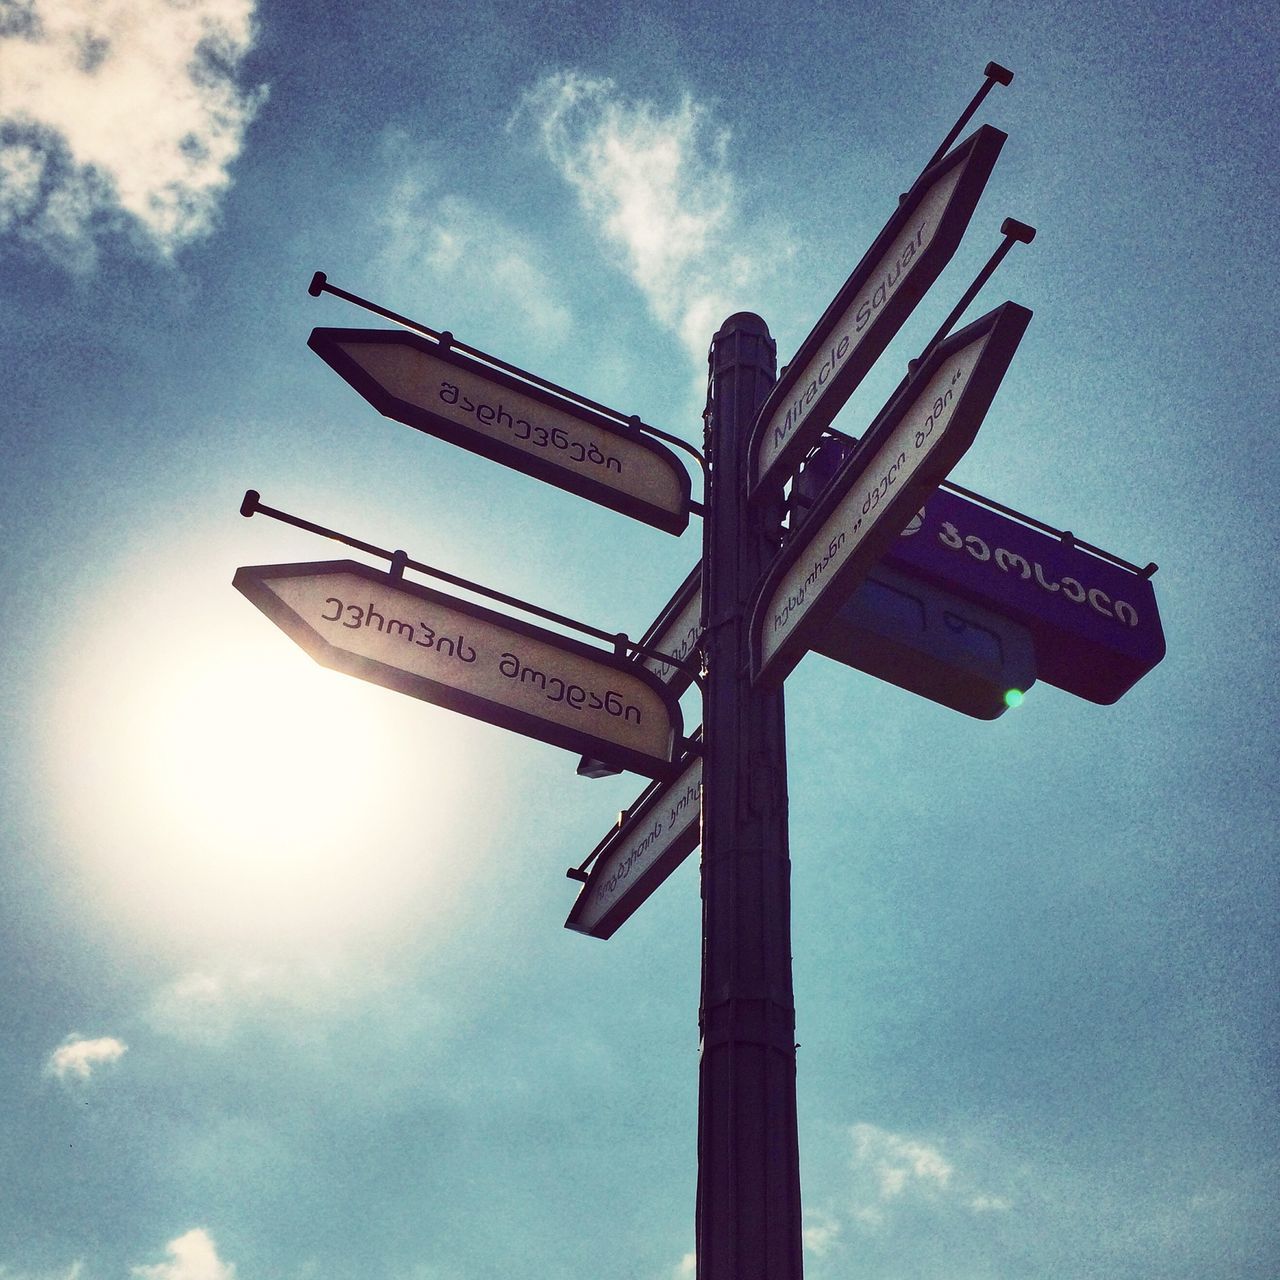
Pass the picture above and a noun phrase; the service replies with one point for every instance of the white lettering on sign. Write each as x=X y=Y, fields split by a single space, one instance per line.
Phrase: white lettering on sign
x=480 y=657
x=1028 y=570
x=550 y=433
x=847 y=527
x=858 y=320
x=644 y=838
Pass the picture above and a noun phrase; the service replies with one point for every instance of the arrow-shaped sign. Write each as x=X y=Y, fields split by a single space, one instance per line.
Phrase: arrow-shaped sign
x=907 y=452
x=676 y=631
x=456 y=654
x=1093 y=617
x=435 y=388
x=651 y=840
x=895 y=273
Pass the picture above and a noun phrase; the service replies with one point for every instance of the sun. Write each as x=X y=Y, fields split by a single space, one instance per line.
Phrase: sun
x=216 y=784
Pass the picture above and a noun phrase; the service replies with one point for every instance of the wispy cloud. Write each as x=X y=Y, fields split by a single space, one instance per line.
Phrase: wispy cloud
x=442 y=237
x=898 y=1162
x=210 y=1007
x=821 y=1232
x=658 y=186
x=77 y=1057
x=990 y=1204
x=891 y=1168
x=194 y=1007
x=119 y=116
x=73 y=1272
x=192 y=1256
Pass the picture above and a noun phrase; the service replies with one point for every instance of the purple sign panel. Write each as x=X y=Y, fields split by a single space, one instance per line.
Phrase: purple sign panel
x=1095 y=624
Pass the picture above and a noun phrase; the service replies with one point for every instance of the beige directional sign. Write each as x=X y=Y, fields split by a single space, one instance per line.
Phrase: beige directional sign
x=418 y=641
x=895 y=273
x=915 y=441
x=676 y=631
x=651 y=840
x=439 y=390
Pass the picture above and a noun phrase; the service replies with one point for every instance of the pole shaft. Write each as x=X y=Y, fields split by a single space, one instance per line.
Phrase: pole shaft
x=748 y=1216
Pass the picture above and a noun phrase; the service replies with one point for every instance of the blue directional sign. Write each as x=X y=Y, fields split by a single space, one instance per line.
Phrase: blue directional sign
x=1094 y=623
x=902 y=628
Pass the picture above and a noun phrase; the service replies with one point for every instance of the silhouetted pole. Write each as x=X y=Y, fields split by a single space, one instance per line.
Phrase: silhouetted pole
x=748 y=1216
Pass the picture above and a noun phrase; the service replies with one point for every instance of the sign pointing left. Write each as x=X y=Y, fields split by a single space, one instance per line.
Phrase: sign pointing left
x=364 y=622
x=433 y=387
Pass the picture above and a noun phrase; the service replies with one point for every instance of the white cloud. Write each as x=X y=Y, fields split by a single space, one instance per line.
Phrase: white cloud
x=119 y=115
x=659 y=189
x=194 y=1008
x=990 y=1204
x=210 y=1007
x=476 y=251
x=73 y=1272
x=191 y=1257
x=77 y=1057
x=821 y=1233
x=898 y=1163
x=687 y=1267
x=891 y=1169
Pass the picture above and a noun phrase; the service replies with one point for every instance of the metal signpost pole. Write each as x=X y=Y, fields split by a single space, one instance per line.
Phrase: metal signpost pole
x=979 y=612
x=748 y=1215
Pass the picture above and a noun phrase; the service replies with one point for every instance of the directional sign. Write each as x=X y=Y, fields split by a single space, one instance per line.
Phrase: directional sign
x=437 y=389
x=651 y=840
x=904 y=629
x=676 y=631
x=895 y=273
x=1094 y=623
x=915 y=441
x=362 y=621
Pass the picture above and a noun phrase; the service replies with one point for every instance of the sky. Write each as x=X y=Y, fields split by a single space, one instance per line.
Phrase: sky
x=287 y=993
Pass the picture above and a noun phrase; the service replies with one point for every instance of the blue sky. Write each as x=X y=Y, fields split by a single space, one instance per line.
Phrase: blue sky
x=287 y=993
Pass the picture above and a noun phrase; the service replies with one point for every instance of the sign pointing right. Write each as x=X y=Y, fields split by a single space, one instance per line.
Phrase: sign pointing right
x=908 y=451
x=895 y=273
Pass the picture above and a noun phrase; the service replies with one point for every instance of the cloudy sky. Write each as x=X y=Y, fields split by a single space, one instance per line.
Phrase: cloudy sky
x=286 y=993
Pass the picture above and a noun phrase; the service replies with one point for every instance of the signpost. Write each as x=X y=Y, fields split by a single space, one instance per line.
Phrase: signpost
x=916 y=440
x=433 y=387
x=968 y=597
x=895 y=273
x=459 y=655
x=650 y=841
